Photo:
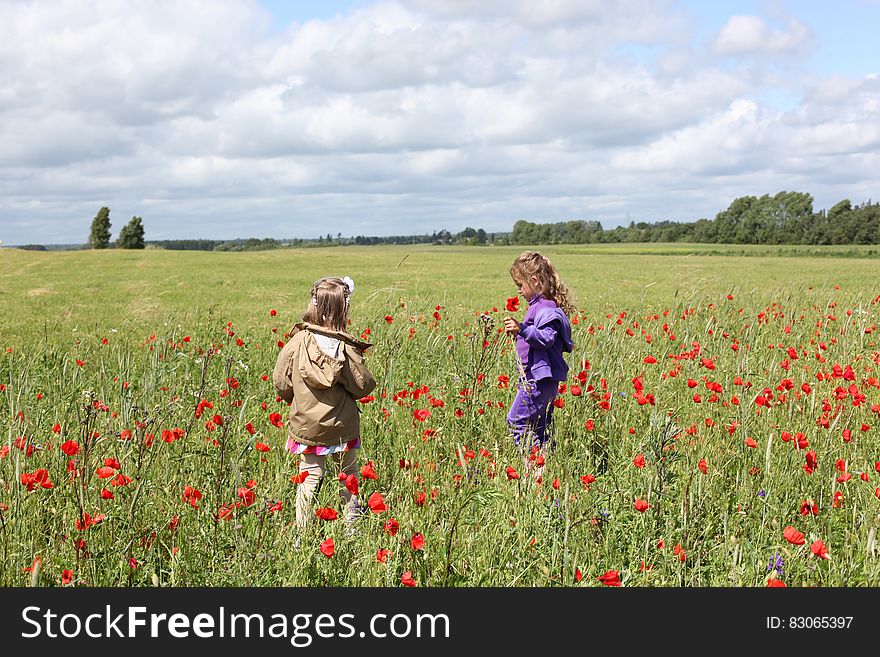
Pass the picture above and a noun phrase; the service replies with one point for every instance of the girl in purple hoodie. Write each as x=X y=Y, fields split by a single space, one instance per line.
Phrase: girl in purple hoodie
x=541 y=339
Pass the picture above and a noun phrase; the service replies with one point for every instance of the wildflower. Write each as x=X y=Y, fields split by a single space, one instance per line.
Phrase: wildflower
x=377 y=503
x=325 y=513
x=104 y=472
x=351 y=483
x=70 y=447
x=818 y=548
x=367 y=471
x=639 y=461
x=641 y=506
x=776 y=564
x=192 y=496
x=610 y=578
x=327 y=547
x=417 y=542
x=407 y=579
x=812 y=462
x=391 y=527
x=793 y=536
x=382 y=555
x=247 y=496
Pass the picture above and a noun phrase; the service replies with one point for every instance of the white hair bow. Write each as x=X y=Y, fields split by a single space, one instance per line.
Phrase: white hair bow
x=349 y=284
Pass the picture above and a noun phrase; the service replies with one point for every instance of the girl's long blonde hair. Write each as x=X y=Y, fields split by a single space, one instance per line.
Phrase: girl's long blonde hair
x=328 y=304
x=532 y=263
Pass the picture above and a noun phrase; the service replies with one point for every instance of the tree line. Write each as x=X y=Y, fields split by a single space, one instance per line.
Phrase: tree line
x=786 y=218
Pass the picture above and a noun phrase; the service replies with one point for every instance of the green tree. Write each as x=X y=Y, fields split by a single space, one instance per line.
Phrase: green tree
x=132 y=235
x=99 y=237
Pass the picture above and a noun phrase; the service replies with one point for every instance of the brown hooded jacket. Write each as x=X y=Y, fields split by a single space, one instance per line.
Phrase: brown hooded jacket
x=322 y=389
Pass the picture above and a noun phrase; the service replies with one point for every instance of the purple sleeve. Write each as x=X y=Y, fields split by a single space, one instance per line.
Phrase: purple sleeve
x=539 y=338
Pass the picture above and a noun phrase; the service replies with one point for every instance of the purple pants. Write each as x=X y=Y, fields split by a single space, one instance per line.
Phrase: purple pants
x=530 y=414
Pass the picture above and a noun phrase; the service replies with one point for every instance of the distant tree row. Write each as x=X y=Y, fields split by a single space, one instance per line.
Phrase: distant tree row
x=786 y=218
x=130 y=237
x=469 y=236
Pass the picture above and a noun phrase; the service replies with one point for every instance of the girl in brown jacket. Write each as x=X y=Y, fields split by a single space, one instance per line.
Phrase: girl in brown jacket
x=320 y=372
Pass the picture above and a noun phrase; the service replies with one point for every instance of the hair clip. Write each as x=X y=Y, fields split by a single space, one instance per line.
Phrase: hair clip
x=349 y=284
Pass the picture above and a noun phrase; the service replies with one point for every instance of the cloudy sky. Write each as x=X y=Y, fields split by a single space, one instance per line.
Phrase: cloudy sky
x=240 y=118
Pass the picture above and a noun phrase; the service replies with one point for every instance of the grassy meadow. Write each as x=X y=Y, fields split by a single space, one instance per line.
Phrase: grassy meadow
x=719 y=426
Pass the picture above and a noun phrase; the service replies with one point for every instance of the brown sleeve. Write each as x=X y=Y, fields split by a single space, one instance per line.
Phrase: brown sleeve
x=355 y=376
x=281 y=374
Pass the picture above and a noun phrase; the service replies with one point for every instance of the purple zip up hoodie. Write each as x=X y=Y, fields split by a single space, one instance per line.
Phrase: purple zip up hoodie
x=544 y=335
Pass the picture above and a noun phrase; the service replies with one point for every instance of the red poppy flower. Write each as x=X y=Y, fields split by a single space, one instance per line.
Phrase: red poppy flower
x=776 y=583
x=812 y=462
x=106 y=494
x=377 y=503
x=367 y=471
x=793 y=536
x=750 y=442
x=417 y=542
x=328 y=547
x=641 y=506
x=382 y=555
x=325 y=513
x=639 y=461
x=421 y=414
x=247 y=496
x=192 y=496
x=586 y=480
x=299 y=478
x=512 y=304
x=809 y=507
x=818 y=548
x=70 y=447
x=391 y=527
x=407 y=579
x=351 y=484
x=610 y=578
x=66 y=577
x=511 y=473
x=702 y=466
x=275 y=419
x=104 y=472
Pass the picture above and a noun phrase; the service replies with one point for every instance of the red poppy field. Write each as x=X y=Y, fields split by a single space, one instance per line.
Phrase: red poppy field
x=719 y=426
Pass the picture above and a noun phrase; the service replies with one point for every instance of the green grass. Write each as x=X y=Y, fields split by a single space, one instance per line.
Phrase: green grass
x=480 y=529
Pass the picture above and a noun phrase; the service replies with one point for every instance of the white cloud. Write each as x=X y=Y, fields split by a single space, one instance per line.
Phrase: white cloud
x=402 y=117
x=743 y=35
